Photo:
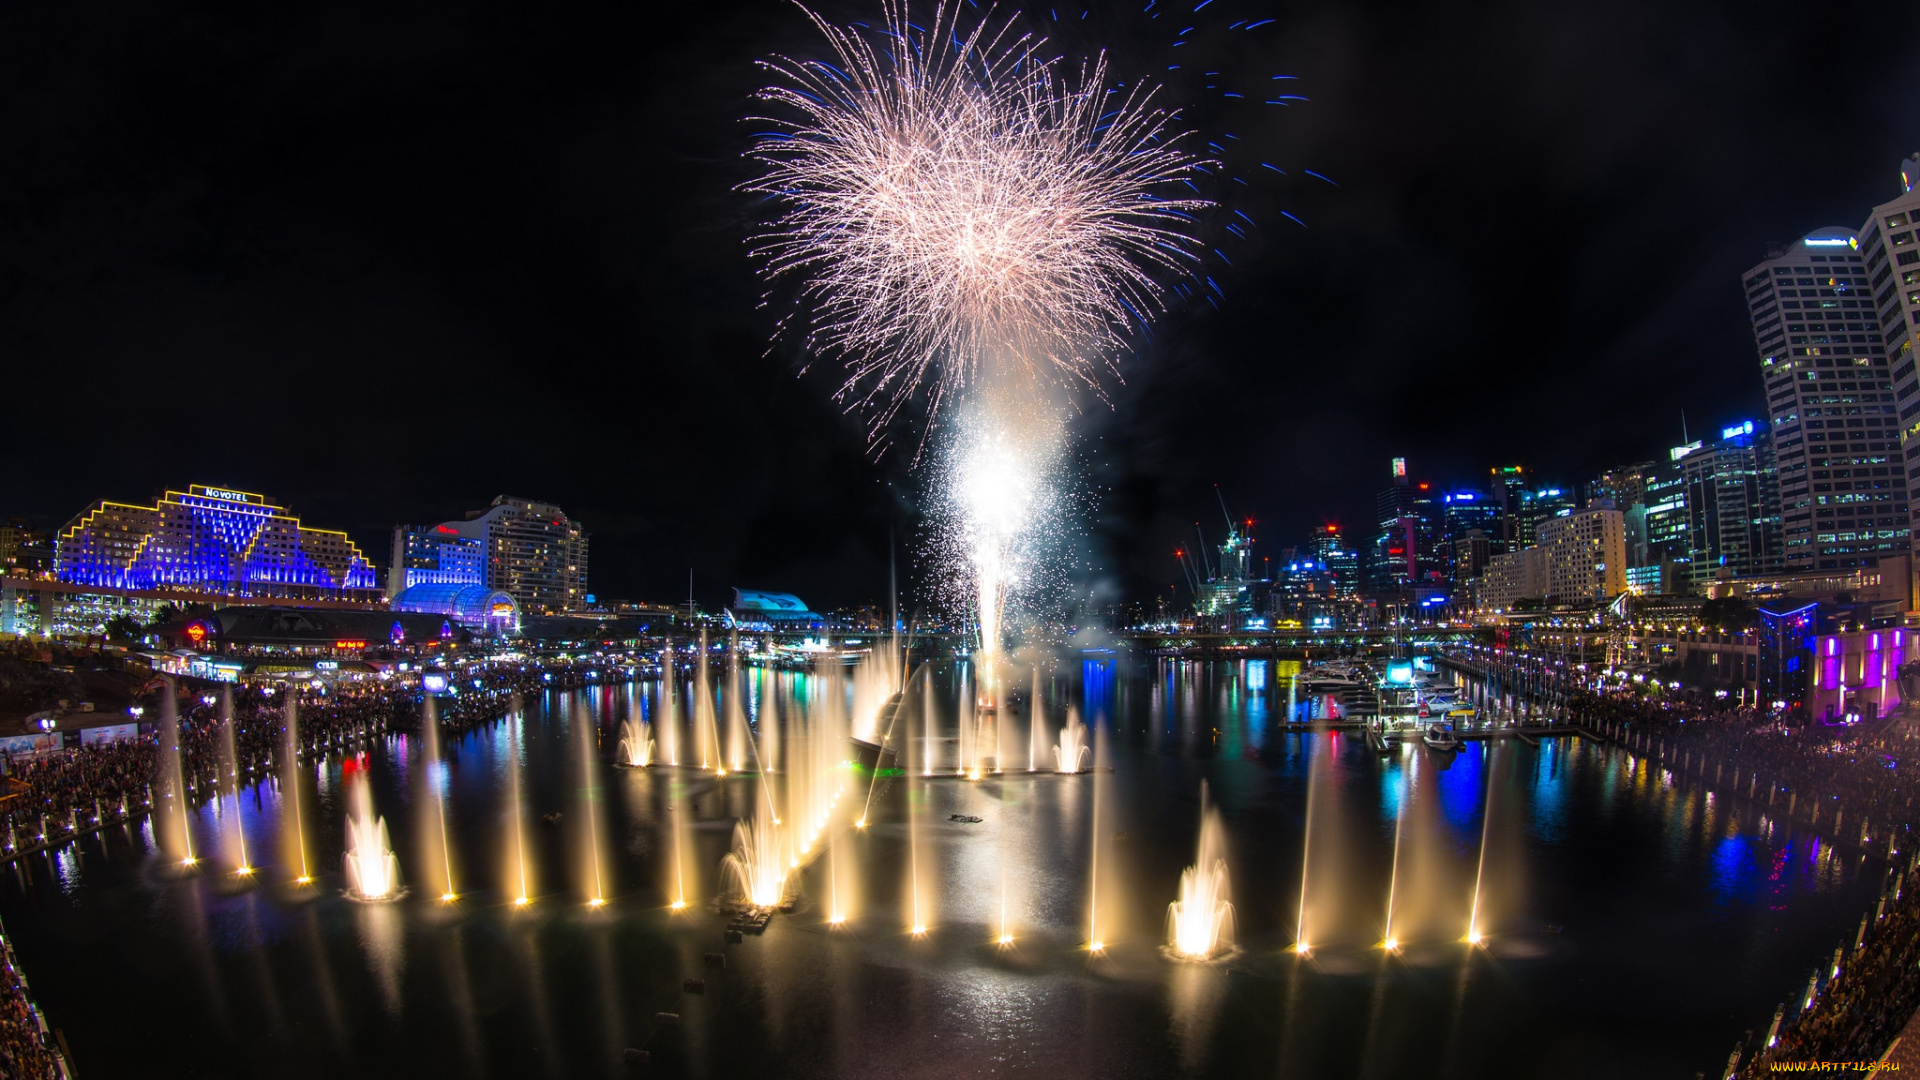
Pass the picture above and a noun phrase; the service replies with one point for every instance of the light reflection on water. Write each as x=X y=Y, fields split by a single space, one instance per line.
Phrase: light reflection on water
x=1674 y=912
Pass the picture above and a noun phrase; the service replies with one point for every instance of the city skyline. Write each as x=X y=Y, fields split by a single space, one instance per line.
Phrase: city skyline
x=533 y=288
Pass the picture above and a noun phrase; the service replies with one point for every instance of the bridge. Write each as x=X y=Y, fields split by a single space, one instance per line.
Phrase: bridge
x=1274 y=642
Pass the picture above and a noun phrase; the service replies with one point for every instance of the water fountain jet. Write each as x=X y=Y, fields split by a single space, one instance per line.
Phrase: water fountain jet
x=373 y=870
x=636 y=744
x=595 y=884
x=1070 y=753
x=759 y=873
x=1200 y=923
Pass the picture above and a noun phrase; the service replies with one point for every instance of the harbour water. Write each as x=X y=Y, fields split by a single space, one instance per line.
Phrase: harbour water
x=1631 y=924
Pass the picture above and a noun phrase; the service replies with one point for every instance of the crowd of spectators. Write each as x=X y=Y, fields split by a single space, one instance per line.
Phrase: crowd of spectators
x=24 y=1053
x=1865 y=773
x=1856 y=1015
x=60 y=793
x=53 y=795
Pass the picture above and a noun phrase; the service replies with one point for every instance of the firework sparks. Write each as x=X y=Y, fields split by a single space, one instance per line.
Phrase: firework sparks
x=953 y=204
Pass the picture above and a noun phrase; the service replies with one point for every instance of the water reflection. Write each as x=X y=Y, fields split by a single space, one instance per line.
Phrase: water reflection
x=1589 y=871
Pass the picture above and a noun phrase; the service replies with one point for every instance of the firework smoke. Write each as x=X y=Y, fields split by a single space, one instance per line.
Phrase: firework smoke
x=968 y=223
x=955 y=205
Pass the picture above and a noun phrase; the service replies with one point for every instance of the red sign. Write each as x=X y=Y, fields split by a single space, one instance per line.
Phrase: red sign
x=349 y=644
x=196 y=632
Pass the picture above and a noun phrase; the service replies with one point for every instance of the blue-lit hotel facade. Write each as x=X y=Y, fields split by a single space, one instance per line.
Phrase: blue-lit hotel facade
x=211 y=540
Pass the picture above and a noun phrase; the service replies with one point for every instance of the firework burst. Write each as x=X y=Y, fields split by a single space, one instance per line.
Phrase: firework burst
x=954 y=205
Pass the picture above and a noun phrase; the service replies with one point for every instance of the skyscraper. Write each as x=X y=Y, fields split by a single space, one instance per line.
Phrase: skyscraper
x=1469 y=522
x=1843 y=491
x=1509 y=487
x=1732 y=516
x=1342 y=562
x=535 y=553
x=1406 y=551
x=1893 y=269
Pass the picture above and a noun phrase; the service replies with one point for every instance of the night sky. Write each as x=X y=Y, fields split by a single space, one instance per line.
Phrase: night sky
x=385 y=262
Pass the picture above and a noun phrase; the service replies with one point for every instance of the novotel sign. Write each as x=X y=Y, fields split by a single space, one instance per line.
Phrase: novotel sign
x=223 y=493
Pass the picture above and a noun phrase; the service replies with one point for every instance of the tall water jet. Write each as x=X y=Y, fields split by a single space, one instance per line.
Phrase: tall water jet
x=1474 y=934
x=1301 y=942
x=593 y=876
x=636 y=744
x=293 y=825
x=1070 y=754
x=928 y=726
x=919 y=908
x=1096 y=929
x=519 y=877
x=1388 y=940
x=736 y=715
x=229 y=778
x=875 y=680
x=1200 y=923
x=966 y=742
x=706 y=733
x=1036 y=726
x=668 y=722
x=839 y=894
x=769 y=745
x=677 y=889
x=436 y=847
x=757 y=867
x=373 y=870
x=177 y=831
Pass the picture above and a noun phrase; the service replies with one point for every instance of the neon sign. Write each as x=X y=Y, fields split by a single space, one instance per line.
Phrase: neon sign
x=196 y=632
x=226 y=495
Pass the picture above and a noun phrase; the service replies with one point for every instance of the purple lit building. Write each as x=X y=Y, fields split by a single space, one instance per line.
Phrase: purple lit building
x=215 y=541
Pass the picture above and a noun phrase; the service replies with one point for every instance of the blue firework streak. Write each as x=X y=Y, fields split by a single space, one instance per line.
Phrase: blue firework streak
x=1217 y=60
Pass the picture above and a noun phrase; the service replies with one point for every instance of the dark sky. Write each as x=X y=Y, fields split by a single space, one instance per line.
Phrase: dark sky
x=384 y=262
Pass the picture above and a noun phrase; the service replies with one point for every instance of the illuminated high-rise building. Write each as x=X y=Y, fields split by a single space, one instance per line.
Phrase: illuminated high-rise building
x=534 y=552
x=1406 y=552
x=434 y=556
x=211 y=540
x=1336 y=554
x=1732 y=505
x=1891 y=243
x=1836 y=439
x=1508 y=487
x=1469 y=521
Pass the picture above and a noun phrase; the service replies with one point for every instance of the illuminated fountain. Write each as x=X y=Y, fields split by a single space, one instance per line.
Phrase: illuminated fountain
x=966 y=755
x=235 y=835
x=1070 y=754
x=593 y=875
x=373 y=870
x=1096 y=930
x=293 y=825
x=1200 y=923
x=436 y=847
x=757 y=867
x=1474 y=933
x=1389 y=940
x=636 y=744
x=706 y=732
x=736 y=715
x=767 y=748
x=176 y=812
x=875 y=680
x=519 y=882
x=929 y=724
x=1036 y=726
x=678 y=813
x=669 y=722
